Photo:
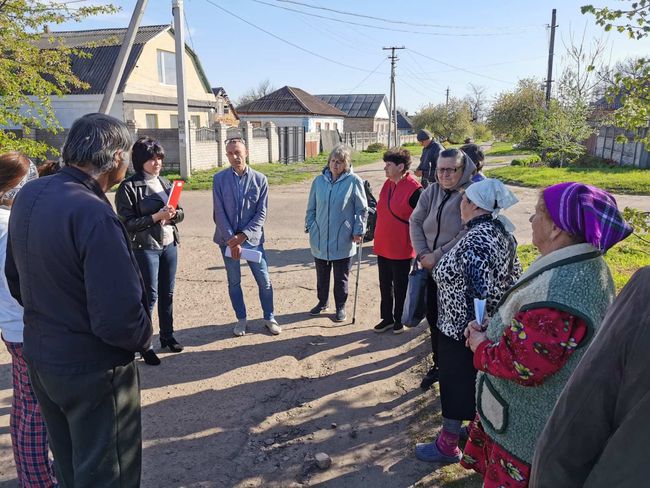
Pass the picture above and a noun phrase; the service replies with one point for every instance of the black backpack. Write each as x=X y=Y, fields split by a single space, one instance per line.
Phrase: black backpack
x=372 y=213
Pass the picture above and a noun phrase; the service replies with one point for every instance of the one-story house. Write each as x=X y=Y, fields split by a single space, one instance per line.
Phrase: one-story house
x=363 y=112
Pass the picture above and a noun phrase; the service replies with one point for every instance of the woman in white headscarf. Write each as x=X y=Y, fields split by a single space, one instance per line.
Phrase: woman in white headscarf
x=483 y=264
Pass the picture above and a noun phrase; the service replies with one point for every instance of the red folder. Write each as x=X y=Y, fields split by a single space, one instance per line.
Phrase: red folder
x=175 y=194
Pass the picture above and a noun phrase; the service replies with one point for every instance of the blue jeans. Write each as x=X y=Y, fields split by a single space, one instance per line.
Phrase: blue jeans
x=260 y=273
x=158 y=268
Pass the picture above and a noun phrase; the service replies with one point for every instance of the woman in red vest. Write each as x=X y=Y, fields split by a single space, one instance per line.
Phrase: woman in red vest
x=393 y=248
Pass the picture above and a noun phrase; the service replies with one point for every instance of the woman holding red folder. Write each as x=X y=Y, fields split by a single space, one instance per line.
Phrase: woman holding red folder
x=142 y=205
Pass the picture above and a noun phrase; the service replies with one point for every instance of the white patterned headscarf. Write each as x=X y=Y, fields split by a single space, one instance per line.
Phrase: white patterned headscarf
x=492 y=195
x=9 y=195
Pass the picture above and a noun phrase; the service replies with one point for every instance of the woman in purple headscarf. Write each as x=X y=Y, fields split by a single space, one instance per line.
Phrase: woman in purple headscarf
x=540 y=329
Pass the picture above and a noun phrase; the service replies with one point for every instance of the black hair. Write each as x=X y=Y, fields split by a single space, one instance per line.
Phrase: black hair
x=475 y=153
x=144 y=149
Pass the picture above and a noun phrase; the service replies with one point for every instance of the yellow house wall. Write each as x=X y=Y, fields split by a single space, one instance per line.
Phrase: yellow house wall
x=144 y=77
x=164 y=119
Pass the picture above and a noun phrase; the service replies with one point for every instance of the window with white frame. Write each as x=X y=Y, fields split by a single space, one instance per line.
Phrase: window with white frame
x=173 y=121
x=336 y=126
x=317 y=126
x=196 y=121
x=166 y=67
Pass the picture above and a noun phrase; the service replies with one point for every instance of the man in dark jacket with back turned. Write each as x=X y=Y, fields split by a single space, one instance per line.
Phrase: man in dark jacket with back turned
x=426 y=170
x=70 y=265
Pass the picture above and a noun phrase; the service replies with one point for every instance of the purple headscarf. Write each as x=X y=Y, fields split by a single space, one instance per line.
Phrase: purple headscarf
x=586 y=211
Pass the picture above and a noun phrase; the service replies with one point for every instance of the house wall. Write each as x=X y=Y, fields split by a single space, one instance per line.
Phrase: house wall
x=144 y=77
x=164 y=116
x=308 y=122
x=70 y=107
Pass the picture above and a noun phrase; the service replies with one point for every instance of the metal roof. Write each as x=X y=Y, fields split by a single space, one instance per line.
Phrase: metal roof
x=355 y=105
x=403 y=122
x=104 y=45
x=99 y=37
x=289 y=100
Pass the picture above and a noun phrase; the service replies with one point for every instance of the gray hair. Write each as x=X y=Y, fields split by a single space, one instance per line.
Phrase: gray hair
x=341 y=152
x=93 y=141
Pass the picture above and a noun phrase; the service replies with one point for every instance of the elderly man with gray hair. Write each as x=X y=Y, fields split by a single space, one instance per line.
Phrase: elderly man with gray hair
x=426 y=170
x=69 y=263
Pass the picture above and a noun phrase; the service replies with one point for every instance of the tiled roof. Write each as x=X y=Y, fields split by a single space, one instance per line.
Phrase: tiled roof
x=289 y=100
x=354 y=105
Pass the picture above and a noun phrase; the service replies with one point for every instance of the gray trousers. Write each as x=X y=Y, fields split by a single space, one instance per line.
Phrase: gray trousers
x=94 y=426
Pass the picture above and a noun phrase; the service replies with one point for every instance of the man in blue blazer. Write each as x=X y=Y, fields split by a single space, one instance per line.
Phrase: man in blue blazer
x=240 y=197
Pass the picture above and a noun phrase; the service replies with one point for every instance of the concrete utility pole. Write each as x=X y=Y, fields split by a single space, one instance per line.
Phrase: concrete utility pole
x=392 y=104
x=447 y=97
x=183 y=125
x=123 y=55
x=551 y=47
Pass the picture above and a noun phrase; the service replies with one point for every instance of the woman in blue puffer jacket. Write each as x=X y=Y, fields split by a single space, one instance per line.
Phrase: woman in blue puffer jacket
x=336 y=222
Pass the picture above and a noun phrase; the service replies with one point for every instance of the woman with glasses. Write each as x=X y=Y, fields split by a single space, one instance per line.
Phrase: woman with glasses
x=336 y=222
x=435 y=226
x=141 y=202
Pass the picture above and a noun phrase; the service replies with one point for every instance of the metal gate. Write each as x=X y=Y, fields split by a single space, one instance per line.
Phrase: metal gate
x=292 y=144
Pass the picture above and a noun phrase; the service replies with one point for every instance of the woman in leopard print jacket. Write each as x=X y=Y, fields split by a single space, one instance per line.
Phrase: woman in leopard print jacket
x=483 y=264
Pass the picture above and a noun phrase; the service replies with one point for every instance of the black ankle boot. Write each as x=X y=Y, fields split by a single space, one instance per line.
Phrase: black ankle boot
x=171 y=343
x=429 y=379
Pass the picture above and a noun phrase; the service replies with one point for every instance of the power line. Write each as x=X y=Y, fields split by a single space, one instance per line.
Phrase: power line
x=285 y=41
x=392 y=21
x=438 y=34
x=461 y=69
x=367 y=76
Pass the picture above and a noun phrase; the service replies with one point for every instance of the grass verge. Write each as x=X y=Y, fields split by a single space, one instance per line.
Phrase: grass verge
x=505 y=149
x=624 y=259
x=617 y=179
x=283 y=174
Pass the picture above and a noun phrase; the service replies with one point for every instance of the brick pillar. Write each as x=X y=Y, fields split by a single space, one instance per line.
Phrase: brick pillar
x=247 y=133
x=221 y=131
x=274 y=143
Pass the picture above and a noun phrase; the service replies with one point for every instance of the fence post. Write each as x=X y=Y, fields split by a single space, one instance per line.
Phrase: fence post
x=247 y=133
x=220 y=134
x=273 y=143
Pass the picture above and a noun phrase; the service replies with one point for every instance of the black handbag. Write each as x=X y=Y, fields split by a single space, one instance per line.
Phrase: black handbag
x=414 y=306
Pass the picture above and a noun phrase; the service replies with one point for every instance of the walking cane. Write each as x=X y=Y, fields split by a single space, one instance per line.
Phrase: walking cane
x=356 y=285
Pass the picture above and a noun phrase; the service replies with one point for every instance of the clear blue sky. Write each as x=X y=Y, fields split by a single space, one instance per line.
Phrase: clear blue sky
x=498 y=42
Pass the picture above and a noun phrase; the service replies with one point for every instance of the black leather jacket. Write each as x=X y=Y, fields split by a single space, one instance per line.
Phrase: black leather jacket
x=135 y=206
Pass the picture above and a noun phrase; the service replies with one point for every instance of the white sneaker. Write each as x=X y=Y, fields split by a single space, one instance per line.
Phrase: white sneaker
x=273 y=326
x=240 y=328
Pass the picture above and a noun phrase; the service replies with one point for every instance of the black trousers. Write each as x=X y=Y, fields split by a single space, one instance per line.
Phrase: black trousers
x=341 y=274
x=393 y=283
x=94 y=426
x=457 y=379
x=431 y=301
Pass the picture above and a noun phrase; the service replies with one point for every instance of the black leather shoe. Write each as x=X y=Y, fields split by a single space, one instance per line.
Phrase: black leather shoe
x=172 y=344
x=150 y=358
x=429 y=379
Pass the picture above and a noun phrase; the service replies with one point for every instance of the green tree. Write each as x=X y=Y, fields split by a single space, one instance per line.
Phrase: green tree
x=513 y=113
x=33 y=67
x=451 y=121
x=633 y=90
x=560 y=131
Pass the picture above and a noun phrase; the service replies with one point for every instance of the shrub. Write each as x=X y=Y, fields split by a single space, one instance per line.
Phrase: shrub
x=526 y=161
x=589 y=161
x=411 y=144
x=376 y=147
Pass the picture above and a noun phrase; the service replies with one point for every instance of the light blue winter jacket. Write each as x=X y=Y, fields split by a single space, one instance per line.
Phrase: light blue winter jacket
x=336 y=211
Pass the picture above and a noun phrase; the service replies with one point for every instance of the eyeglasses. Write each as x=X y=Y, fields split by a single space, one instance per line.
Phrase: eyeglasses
x=233 y=140
x=447 y=171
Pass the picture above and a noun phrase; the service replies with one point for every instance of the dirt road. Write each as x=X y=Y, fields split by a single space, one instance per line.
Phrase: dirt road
x=252 y=411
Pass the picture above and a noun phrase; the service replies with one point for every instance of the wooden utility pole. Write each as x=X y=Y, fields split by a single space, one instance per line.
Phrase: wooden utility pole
x=392 y=104
x=123 y=55
x=551 y=47
x=183 y=125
